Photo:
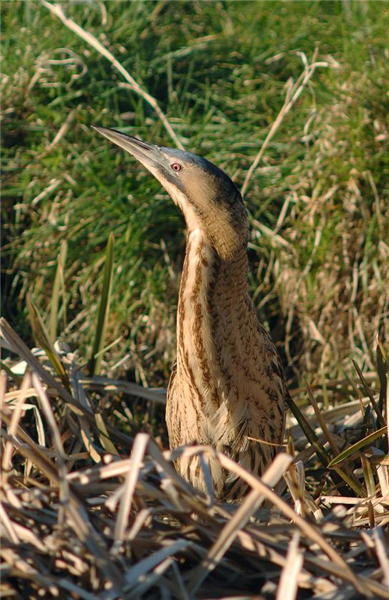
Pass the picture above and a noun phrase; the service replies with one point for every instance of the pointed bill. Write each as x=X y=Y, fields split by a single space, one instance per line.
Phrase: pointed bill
x=148 y=154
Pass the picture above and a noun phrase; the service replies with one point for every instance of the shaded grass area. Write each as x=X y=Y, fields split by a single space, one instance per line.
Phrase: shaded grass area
x=220 y=71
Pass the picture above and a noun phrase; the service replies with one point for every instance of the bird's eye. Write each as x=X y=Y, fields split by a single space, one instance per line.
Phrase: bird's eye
x=176 y=167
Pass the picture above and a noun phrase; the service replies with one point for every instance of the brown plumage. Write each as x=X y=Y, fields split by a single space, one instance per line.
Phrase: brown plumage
x=227 y=385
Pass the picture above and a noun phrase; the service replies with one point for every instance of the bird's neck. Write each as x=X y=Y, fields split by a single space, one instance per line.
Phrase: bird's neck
x=213 y=293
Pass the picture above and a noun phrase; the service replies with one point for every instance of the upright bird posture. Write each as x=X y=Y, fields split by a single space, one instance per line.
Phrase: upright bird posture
x=227 y=385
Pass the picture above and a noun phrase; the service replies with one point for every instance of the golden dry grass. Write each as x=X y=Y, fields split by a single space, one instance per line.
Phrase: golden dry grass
x=89 y=511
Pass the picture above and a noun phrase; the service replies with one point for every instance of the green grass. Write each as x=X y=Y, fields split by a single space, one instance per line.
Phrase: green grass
x=219 y=71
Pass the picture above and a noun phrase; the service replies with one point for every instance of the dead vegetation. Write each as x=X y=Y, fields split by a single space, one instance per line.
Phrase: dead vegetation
x=89 y=511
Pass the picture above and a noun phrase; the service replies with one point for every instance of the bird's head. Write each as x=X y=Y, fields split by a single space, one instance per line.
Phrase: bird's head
x=205 y=194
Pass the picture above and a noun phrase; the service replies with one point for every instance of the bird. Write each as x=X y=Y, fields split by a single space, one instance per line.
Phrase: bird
x=227 y=388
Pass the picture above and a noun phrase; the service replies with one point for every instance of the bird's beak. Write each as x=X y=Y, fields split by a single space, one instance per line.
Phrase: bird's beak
x=149 y=155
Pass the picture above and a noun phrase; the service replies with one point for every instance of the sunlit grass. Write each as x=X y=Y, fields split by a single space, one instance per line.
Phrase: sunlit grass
x=220 y=74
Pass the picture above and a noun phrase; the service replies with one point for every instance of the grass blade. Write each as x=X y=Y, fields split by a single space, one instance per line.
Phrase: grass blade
x=308 y=432
x=42 y=339
x=59 y=284
x=369 y=439
x=98 y=347
x=368 y=393
x=105 y=439
x=382 y=369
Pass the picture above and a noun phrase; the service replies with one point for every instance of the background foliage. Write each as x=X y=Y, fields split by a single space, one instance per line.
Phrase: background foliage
x=220 y=71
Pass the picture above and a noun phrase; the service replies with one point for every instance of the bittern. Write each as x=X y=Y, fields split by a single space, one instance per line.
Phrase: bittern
x=227 y=388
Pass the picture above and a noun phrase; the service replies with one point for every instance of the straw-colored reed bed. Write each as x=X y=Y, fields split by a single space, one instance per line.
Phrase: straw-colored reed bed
x=91 y=511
